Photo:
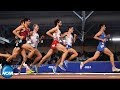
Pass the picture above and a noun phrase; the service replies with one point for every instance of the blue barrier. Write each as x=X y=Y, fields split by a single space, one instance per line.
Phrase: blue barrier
x=74 y=67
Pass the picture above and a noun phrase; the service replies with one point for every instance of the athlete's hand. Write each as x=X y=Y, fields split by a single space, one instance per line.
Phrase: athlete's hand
x=103 y=40
x=75 y=35
x=108 y=36
x=42 y=37
x=16 y=37
x=21 y=37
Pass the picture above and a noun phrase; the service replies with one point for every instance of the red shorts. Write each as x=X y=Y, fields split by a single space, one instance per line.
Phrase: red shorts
x=54 y=43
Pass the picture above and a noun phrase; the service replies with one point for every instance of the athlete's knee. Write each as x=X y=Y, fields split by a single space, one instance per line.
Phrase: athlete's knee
x=76 y=54
x=33 y=50
x=14 y=56
x=65 y=51
x=39 y=57
x=9 y=55
x=25 y=58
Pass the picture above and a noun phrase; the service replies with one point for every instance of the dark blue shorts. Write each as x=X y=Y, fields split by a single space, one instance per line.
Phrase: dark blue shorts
x=20 y=43
x=101 y=47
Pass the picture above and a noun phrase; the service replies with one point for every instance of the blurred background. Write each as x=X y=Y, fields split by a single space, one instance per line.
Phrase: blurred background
x=85 y=23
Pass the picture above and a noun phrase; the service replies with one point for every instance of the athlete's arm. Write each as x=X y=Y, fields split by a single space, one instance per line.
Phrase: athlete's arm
x=97 y=36
x=31 y=33
x=42 y=37
x=74 y=38
x=18 y=29
x=49 y=33
x=64 y=34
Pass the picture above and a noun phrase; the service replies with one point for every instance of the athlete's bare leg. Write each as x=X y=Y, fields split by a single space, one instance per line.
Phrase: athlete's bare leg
x=60 y=47
x=15 y=52
x=96 y=55
x=28 y=70
x=29 y=48
x=75 y=54
x=110 y=54
x=39 y=56
x=5 y=55
x=71 y=50
x=23 y=53
x=50 y=52
x=58 y=62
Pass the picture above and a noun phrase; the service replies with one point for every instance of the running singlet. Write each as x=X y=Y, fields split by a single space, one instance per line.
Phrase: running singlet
x=25 y=33
x=34 y=40
x=21 y=42
x=69 y=40
x=56 y=39
x=101 y=45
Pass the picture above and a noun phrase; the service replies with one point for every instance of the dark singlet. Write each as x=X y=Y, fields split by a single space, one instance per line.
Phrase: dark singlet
x=21 y=42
